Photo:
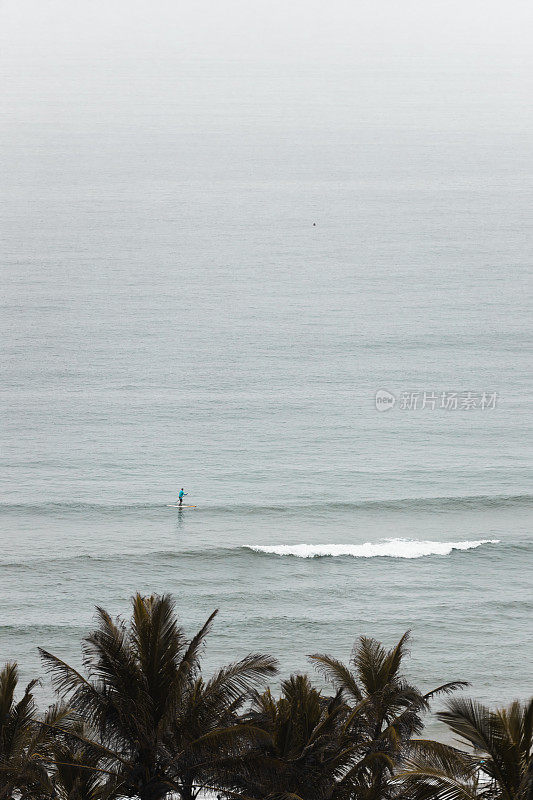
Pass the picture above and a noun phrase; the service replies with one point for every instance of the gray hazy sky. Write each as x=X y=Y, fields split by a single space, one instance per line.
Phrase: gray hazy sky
x=313 y=30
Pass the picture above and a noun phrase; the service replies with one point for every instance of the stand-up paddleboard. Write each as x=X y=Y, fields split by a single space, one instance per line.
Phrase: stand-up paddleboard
x=182 y=506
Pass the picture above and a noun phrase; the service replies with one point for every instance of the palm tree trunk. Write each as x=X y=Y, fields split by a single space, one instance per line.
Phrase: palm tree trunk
x=187 y=791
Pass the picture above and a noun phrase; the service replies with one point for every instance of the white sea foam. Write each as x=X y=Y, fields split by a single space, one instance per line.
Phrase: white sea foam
x=393 y=548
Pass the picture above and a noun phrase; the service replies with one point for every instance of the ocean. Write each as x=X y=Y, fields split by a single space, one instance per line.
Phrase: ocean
x=210 y=272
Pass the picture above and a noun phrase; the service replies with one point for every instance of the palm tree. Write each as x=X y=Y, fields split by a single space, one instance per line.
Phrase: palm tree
x=497 y=766
x=25 y=741
x=308 y=748
x=385 y=711
x=160 y=728
x=208 y=739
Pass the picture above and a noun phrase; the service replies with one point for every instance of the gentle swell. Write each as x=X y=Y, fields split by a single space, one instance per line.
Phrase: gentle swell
x=390 y=548
x=434 y=504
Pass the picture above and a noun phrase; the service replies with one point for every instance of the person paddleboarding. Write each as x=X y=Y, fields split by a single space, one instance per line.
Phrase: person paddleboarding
x=181 y=495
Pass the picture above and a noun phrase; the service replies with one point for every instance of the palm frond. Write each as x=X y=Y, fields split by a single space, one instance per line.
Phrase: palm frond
x=441 y=756
x=237 y=681
x=469 y=720
x=338 y=674
x=8 y=685
x=65 y=678
x=395 y=656
x=188 y=666
x=369 y=660
x=446 y=689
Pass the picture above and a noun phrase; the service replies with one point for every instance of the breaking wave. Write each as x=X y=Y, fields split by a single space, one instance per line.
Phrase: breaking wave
x=389 y=548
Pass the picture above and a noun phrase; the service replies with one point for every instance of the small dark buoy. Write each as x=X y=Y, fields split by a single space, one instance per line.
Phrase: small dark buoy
x=314 y=224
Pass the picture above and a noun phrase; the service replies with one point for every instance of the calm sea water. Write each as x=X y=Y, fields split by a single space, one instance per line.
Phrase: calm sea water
x=172 y=317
